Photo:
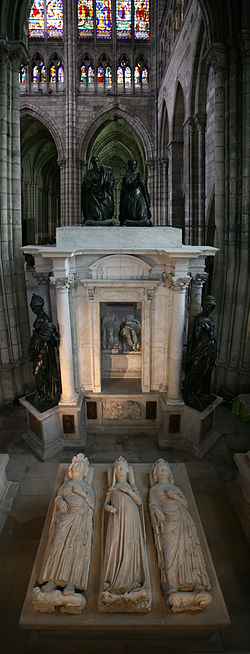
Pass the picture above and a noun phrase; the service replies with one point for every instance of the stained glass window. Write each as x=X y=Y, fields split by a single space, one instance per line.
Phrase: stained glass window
x=96 y=17
x=144 y=77
x=137 y=77
x=120 y=76
x=60 y=73
x=36 y=19
x=103 y=19
x=100 y=75
x=123 y=19
x=128 y=77
x=54 y=18
x=91 y=75
x=46 y=17
x=85 y=18
x=43 y=74
x=108 y=77
x=35 y=75
x=52 y=75
x=83 y=78
x=22 y=75
x=141 y=19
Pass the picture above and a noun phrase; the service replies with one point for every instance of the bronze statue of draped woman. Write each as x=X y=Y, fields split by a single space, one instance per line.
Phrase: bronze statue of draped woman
x=134 y=200
x=200 y=358
x=97 y=195
x=42 y=350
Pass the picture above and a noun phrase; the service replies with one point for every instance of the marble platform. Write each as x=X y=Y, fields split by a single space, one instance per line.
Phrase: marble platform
x=160 y=623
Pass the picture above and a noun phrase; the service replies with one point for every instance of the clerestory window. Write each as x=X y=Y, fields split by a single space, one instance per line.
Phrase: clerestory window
x=129 y=19
x=46 y=19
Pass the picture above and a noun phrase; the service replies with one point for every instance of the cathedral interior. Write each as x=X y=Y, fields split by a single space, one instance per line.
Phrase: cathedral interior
x=165 y=82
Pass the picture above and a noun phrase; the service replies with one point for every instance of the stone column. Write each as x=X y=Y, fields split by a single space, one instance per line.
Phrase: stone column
x=178 y=286
x=95 y=339
x=200 y=121
x=71 y=186
x=188 y=178
x=163 y=192
x=197 y=284
x=146 y=342
x=219 y=61
x=69 y=395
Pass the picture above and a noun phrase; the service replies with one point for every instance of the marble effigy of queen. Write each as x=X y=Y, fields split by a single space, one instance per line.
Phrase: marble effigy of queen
x=125 y=584
x=184 y=579
x=63 y=578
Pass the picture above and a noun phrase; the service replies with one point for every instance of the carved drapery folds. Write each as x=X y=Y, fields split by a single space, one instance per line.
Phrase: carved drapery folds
x=125 y=585
x=184 y=579
x=63 y=579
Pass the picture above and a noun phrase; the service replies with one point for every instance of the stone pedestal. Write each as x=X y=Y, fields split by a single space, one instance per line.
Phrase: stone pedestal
x=72 y=418
x=188 y=429
x=44 y=434
x=8 y=490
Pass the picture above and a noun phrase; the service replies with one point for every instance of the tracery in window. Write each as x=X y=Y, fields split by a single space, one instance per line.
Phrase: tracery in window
x=85 y=18
x=87 y=75
x=123 y=19
x=56 y=71
x=104 y=74
x=46 y=19
x=141 y=74
x=38 y=71
x=141 y=19
x=103 y=19
x=123 y=75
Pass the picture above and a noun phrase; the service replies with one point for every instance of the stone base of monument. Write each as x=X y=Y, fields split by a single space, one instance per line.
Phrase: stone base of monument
x=8 y=490
x=44 y=432
x=93 y=630
x=188 y=429
x=123 y=413
x=73 y=428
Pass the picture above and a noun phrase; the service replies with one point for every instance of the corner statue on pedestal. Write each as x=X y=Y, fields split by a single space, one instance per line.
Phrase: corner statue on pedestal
x=134 y=200
x=63 y=579
x=184 y=578
x=42 y=349
x=200 y=358
x=97 y=195
x=125 y=585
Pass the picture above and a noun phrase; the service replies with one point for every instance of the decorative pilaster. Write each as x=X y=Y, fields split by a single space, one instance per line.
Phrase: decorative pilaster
x=69 y=395
x=178 y=286
x=146 y=341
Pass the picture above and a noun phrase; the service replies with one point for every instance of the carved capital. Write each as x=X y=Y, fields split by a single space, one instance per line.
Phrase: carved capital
x=91 y=293
x=217 y=57
x=42 y=278
x=199 y=279
x=18 y=54
x=61 y=283
x=200 y=122
x=179 y=284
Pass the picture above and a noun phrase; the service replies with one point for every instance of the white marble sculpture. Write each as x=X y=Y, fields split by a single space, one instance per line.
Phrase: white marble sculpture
x=125 y=584
x=63 y=579
x=184 y=580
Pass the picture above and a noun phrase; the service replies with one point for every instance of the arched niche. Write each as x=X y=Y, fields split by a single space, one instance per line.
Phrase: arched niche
x=40 y=182
x=178 y=210
x=115 y=141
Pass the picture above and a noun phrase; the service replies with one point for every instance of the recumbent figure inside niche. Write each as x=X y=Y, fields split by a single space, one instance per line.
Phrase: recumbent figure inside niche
x=131 y=334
